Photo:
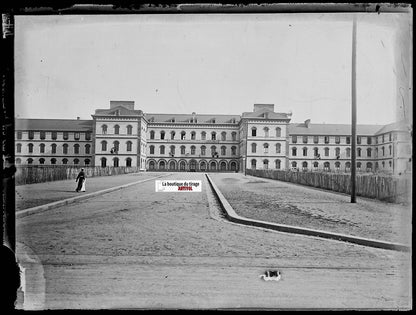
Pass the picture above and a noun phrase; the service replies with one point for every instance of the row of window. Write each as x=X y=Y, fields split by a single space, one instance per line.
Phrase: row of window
x=338 y=151
x=54 y=135
x=315 y=165
x=203 y=149
x=116 y=162
x=116 y=146
x=213 y=135
x=193 y=165
x=116 y=129
x=53 y=146
x=53 y=161
x=278 y=147
x=266 y=132
x=305 y=139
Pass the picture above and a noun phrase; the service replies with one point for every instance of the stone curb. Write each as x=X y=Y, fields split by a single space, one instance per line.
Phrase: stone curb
x=29 y=211
x=234 y=217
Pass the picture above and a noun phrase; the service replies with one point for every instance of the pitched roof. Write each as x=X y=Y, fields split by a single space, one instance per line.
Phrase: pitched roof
x=265 y=114
x=118 y=111
x=53 y=124
x=396 y=126
x=201 y=118
x=331 y=129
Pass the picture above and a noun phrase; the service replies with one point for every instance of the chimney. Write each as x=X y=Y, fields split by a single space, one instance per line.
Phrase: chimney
x=307 y=123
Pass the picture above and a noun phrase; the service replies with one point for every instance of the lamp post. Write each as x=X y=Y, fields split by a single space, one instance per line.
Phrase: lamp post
x=353 y=110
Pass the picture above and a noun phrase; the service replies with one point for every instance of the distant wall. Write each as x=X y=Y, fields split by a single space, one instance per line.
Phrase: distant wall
x=39 y=174
x=382 y=187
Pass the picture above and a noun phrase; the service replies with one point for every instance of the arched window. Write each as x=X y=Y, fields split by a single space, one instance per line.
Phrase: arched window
x=376 y=166
x=383 y=151
x=41 y=161
x=277 y=164
x=213 y=135
x=337 y=152
x=203 y=150
x=305 y=166
x=104 y=129
x=233 y=150
x=347 y=166
x=223 y=150
x=87 y=161
x=116 y=129
x=266 y=132
x=18 y=161
x=115 y=162
x=223 y=136
x=193 y=135
x=278 y=132
x=162 y=149
x=337 y=165
x=76 y=161
x=129 y=146
x=294 y=164
x=223 y=166
x=253 y=147
x=359 y=152
x=253 y=164
x=183 y=135
x=129 y=130
x=53 y=161
x=234 y=136
x=76 y=149
x=30 y=147
x=278 y=148
x=294 y=151
x=214 y=151
x=116 y=146
x=383 y=164
x=326 y=151
x=203 y=166
x=152 y=165
x=152 y=149
x=348 y=152
x=315 y=165
x=42 y=148
x=305 y=151
x=254 y=132
x=172 y=151
x=389 y=149
x=326 y=166
x=316 y=152
x=266 y=148
x=87 y=149
x=182 y=165
x=183 y=149
x=103 y=162
x=203 y=135
x=64 y=161
x=152 y=134
x=162 y=135
x=193 y=150
x=29 y=161
x=369 y=166
x=368 y=152
x=172 y=165
x=103 y=145
x=359 y=165
x=172 y=135
x=19 y=148
x=65 y=148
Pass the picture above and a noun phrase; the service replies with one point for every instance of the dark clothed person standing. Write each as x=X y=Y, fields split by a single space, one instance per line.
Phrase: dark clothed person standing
x=80 y=179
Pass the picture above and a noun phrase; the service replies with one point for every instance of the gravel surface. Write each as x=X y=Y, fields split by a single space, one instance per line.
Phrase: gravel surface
x=135 y=248
x=284 y=203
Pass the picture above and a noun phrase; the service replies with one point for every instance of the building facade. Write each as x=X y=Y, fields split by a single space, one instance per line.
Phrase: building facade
x=261 y=139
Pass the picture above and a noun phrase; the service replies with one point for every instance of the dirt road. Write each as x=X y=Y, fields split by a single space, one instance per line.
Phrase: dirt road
x=137 y=248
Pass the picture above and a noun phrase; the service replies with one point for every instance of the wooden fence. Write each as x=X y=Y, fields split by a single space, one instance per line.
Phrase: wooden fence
x=40 y=174
x=382 y=187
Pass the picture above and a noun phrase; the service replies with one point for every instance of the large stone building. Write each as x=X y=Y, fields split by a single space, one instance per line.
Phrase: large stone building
x=261 y=139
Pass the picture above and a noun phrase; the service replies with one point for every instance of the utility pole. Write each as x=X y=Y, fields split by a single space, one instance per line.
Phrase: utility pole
x=353 y=110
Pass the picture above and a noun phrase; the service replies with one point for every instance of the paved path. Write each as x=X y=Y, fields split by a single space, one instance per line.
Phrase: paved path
x=135 y=248
x=285 y=203
x=33 y=195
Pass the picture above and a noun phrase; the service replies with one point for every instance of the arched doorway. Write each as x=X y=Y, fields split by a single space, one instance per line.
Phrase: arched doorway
x=213 y=166
x=223 y=166
x=182 y=165
x=233 y=166
x=172 y=165
x=162 y=165
x=203 y=166
x=192 y=166
x=152 y=165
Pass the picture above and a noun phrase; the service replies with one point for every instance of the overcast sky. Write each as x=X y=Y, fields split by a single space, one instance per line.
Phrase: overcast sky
x=68 y=66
